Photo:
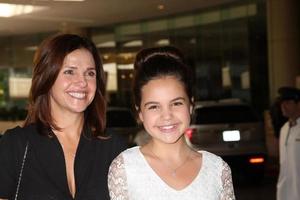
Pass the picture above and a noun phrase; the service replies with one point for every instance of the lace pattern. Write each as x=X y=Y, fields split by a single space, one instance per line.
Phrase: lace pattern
x=227 y=191
x=131 y=177
x=117 y=183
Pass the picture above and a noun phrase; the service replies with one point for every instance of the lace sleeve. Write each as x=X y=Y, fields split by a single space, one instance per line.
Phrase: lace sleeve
x=227 y=186
x=117 y=183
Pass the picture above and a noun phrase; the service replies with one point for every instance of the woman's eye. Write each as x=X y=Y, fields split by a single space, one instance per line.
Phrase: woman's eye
x=69 y=71
x=91 y=73
x=178 y=103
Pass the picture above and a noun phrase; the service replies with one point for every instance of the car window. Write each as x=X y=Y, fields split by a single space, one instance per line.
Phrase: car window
x=120 y=118
x=225 y=114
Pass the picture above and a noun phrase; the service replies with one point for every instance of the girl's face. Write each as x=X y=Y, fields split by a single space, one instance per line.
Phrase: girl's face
x=165 y=109
x=75 y=86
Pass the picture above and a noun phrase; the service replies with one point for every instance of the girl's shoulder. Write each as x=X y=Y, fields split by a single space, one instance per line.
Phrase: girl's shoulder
x=130 y=152
x=211 y=159
x=209 y=155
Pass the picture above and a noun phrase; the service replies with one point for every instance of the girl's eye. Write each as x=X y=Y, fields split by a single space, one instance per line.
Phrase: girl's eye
x=153 y=107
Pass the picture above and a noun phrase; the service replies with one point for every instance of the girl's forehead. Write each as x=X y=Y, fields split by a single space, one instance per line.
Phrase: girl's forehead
x=165 y=78
x=163 y=82
x=167 y=87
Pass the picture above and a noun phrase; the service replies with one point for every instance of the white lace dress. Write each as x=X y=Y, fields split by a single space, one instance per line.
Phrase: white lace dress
x=131 y=177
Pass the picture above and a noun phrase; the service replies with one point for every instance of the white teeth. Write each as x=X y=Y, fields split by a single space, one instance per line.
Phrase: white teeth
x=167 y=127
x=79 y=95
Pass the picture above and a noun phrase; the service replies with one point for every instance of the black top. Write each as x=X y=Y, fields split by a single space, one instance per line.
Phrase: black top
x=44 y=175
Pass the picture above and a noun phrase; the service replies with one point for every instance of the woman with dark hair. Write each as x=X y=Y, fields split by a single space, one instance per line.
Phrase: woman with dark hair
x=166 y=167
x=61 y=151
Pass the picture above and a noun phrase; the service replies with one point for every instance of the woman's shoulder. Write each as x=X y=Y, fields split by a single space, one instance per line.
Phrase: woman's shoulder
x=112 y=145
x=13 y=141
x=15 y=133
x=18 y=134
x=112 y=141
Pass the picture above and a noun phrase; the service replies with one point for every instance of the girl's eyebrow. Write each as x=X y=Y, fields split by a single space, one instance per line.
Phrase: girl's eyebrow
x=154 y=102
x=150 y=103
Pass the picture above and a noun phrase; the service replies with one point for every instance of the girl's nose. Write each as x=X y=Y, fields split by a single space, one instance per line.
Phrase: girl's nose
x=166 y=114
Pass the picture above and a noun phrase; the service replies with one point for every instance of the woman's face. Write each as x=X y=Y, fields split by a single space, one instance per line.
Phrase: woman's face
x=75 y=86
x=165 y=109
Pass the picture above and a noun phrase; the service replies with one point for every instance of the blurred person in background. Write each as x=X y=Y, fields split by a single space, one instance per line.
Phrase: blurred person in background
x=277 y=117
x=61 y=152
x=288 y=185
x=166 y=167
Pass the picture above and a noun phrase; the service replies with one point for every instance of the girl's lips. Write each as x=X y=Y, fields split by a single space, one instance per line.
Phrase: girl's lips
x=168 y=128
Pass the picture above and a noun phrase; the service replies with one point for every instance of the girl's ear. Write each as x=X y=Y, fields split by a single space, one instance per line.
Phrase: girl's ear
x=192 y=106
x=191 y=109
x=138 y=110
x=141 y=116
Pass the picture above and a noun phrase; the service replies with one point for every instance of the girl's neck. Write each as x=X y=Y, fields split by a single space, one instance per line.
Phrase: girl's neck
x=176 y=150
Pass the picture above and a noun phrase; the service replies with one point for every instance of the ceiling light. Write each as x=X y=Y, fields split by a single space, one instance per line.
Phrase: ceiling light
x=70 y=0
x=124 y=66
x=31 y=48
x=10 y=10
x=107 y=44
x=163 y=42
x=106 y=56
x=134 y=43
x=193 y=41
x=160 y=7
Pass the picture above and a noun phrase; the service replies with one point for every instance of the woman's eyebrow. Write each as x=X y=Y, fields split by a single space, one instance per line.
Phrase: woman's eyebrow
x=178 y=98
x=70 y=67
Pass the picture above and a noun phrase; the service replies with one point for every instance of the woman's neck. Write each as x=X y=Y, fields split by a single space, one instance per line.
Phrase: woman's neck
x=70 y=125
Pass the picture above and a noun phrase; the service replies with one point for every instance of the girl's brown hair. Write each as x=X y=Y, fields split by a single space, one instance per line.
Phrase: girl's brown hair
x=152 y=63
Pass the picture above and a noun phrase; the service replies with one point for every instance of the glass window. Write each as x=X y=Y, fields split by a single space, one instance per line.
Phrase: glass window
x=225 y=114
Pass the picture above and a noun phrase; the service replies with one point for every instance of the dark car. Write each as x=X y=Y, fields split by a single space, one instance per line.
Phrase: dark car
x=120 y=120
x=234 y=131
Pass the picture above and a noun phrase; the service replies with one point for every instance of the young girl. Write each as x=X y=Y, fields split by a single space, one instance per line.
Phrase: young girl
x=166 y=167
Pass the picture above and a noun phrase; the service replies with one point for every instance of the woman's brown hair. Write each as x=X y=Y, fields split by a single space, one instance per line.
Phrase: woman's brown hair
x=48 y=62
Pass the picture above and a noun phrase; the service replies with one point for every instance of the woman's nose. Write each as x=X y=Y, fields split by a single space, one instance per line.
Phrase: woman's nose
x=81 y=80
